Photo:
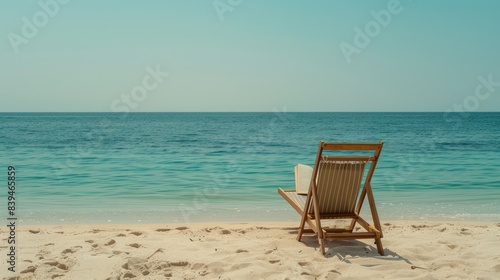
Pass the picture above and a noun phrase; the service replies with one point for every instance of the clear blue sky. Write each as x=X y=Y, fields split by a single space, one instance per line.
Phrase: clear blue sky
x=259 y=56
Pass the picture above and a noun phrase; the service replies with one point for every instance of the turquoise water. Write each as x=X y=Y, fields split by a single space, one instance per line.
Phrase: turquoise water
x=190 y=167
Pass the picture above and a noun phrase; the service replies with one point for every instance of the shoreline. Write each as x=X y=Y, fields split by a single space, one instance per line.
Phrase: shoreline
x=283 y=215
x=250 y=250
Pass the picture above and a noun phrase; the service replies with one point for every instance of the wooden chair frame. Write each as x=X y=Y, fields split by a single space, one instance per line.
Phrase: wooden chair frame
x=314 y=219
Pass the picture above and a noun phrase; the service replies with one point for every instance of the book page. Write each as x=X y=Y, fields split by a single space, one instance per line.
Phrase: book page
x=303 y=175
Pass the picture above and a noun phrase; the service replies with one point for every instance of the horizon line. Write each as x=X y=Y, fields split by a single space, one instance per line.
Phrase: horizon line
x=218 y=112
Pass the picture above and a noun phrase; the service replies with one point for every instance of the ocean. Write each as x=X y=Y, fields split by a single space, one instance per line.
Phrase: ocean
x=74 y=168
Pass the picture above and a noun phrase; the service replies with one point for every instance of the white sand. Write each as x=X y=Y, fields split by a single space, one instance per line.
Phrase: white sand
x=416 y=250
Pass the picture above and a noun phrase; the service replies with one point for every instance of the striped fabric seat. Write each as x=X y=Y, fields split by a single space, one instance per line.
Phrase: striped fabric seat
x=338 y=186
x=300 y=199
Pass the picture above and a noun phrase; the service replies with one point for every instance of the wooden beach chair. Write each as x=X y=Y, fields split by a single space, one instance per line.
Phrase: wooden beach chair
x=333 y=191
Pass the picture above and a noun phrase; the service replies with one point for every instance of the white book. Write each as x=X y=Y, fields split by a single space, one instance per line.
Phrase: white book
x=303 y=174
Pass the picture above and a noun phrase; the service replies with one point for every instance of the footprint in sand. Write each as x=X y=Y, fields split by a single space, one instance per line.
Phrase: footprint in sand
x=180 y=263
x=30 y=269
x=225 y=231
x=136 y=233
x=274 y=261
x=163 y=229
x=34 y=231
x=57 y=264
x=241 y=251
x=135 y=245
x=111 y=242
x=129 y=275
x=335 y=271
x=465 y=231
x=419 y=226
x=57 y=276
x=71 y=250
x=303 y=263
x=89 y=241
x=121 y=235
x=181 y=228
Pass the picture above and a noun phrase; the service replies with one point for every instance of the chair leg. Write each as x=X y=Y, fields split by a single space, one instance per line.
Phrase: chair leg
x=380 y=249
x=321 y=244
x=301 y=226
x=299 y=235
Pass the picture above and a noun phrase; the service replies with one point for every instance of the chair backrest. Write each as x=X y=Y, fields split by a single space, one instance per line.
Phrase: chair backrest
x=338 y=185
x=337 y=179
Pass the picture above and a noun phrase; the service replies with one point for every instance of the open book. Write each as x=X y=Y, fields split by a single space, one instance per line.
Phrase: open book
x=303 y=174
